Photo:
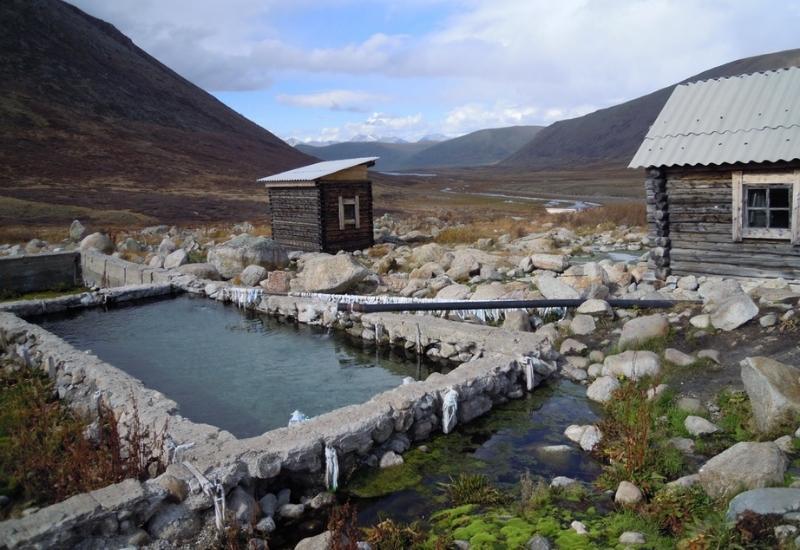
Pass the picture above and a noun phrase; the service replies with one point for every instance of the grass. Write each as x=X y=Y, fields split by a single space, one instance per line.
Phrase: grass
x=471 y=489
x=605 y=218
x=467 y=233
x=46 y=452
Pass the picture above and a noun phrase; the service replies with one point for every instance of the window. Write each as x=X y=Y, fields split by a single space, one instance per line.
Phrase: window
x=766 y=206
x=348 y=212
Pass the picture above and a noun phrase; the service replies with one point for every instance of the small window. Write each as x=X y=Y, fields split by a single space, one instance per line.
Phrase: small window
x=766 y=206
x=348 y=212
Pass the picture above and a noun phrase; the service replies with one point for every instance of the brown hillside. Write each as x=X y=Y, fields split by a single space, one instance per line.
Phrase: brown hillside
x=89 y=119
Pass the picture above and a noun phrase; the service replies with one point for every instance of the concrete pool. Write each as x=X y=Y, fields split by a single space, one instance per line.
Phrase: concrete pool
x=238 y=370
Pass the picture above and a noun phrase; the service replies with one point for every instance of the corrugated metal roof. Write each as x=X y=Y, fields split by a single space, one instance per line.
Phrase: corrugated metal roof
x=747 y=118
x=318 y=170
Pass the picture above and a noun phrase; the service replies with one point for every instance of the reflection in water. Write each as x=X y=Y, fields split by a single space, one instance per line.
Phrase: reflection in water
x=241 y=371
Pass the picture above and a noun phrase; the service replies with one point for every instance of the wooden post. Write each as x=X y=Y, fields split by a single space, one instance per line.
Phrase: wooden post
x=737 y=206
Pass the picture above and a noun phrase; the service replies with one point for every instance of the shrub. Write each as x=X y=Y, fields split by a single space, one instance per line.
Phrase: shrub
x=674 y=508
x=471 y=489
x=391 y=535
x=343 y=525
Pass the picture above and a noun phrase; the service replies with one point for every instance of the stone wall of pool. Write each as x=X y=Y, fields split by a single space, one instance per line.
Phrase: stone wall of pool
x=175 y=507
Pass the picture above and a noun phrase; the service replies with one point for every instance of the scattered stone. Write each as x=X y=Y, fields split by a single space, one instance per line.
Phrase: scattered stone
x=322 y=500
x=684 y=482
x=268 y=504
x=768 y=320
x=266 y=525
x=688 y=283
x=631 y=537
x=166 y=247
x=538 y=542
x=602 y=389
x=158 y=262
x=579 y=527
x=641 y=329
x=733 y=312
x=391 y=459
x=594 y=306
x=683 y=444
x=319 y=542
x=174 y=523
x=457 y=292
x=582 y=325
x=252 y=275
x=773 y=389
x=517 y=320
x=176 y=259
x=746 y=465
x=785 y=533
x=562 y=481
x=231 y=257
x=243 y=506
x=76 y=231
x=702 y=321
x=627 y=494
x=571 y=345
x=291 y=511
x=785 y=443
x=201 y=271
x=697 y=425
x=692 y=405
x=555 y=449
x=710 y=354
x=550 y=262
x=764 y=502
x=632 y=364
x=98 y=241
x=553 y=289
x=596 y=356
x=677 y=357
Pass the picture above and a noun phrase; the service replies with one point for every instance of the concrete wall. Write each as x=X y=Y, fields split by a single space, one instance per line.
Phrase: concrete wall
x=22 y=274
x=107 y=271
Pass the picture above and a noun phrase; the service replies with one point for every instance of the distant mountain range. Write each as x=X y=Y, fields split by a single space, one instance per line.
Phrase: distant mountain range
x=611 y=136
x=480 y=148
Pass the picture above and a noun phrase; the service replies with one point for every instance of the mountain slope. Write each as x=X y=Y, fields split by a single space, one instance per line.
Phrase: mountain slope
x=480 y=148
x=393 y=156
x=84 y=110
x=612 y=135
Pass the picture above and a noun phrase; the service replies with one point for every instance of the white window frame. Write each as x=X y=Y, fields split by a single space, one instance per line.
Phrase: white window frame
x=741 y=180
x=344 y=222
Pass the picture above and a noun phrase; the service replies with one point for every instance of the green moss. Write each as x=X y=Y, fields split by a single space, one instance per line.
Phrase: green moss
x=516 y=532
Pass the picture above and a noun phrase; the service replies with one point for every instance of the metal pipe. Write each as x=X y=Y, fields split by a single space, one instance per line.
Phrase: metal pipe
x=496 y=304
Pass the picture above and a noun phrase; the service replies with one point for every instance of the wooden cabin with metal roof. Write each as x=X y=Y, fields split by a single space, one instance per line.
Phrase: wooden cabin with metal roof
x=323 y=207
x=723 y=178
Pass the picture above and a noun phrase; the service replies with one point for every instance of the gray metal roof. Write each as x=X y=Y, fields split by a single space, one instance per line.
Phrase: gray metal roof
x=747 y=118
x=319 y=170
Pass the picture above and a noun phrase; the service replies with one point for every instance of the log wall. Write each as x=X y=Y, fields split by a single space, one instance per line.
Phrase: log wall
x=297 y=217
x=692 y=220
x=350 y=238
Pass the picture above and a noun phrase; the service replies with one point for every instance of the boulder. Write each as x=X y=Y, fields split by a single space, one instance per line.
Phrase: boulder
x=629 y=538
x=538 y=542
x=571 y=345
x=632 y=364
x=517 y=319
x=158 y=262
x=550 y=262
x=231 y=257
x=252 y=275
x=243 y=506
x=326 y=273
x=641 y=329
x=746 y=465
x=733 y=312
x=291 y=511
x=319 y=542
x=176 y=259
x=691 y=405
x=773 y=389
x=268 y=504
x=130 y=245
x=602 y=389
x=390 y=459
x=454 y=292
x=428 y=253
x=174 y=523
x=427 y=271
x=594 y=306
x=688 y=283
x=201 y=271
x=277 y=282
x=587 y=436
x=627 y=494
x=98 y=241
x=764 y=502
x=166 y=246
x=76 y=231
x=716 y=290
x=554 y=289
x=697 y=425
x=677 y=357
x=582 y=325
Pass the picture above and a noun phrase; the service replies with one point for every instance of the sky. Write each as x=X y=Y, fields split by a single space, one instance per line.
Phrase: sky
x=329 y=70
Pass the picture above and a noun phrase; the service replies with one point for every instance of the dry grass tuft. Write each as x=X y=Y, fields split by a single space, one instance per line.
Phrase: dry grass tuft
x=471 y=232
x=609 y=216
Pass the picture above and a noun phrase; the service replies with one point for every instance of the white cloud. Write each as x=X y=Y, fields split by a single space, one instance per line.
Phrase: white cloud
x=334 y=100
x=376 y=125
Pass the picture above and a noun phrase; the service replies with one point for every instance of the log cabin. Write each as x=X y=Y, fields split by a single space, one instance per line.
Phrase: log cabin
x=722 y=163
x=323 y=207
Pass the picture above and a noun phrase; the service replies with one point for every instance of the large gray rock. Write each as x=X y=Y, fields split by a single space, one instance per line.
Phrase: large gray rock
x=454 y=292
x=628 y=494
x=602 y=389
x=733 y=312
x=243 y=506
x=697 y=425
x=773 y=389
x=582 y=325
x=641 y=329
x=517 y=319
x=550 y=262
x=554 y=289
x=764 y=502
x=746 y=465
x=98 y=241
x=320 y=542
x=201 y=271
x=231 y=257
x=326 y=273
x=430 y=252
x=76 y=231
x=174 y=523
x=632 y=364
x=176 y=259
x=252 y=275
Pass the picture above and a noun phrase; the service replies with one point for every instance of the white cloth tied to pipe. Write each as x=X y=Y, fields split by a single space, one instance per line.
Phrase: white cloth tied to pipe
x=331 y=469
x=527 y=363
x=449 y=410
x=297 y=418
x=242 y=296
